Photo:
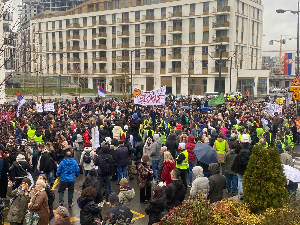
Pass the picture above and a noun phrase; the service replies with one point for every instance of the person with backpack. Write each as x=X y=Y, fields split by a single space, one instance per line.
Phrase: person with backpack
x=92 y=181
x=105 y=164
x=78 y=144
x=46 y=163
x=19 y=170
x=87 y=159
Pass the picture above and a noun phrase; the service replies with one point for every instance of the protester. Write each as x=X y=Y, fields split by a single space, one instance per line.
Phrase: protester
x=122 y=161
x=3 y=174
x=19 y=169
x=231 y=177
x=50 y=195
x=182 y=163
x=67 y=170
x=155 y=155
x=200 y=185
x=221 y=146
x=62 y=216
x=168 y=166
x=87 y=159
x=217 y=183
x=92 y=181
x=126 y=193
x=118 y=213
x=144 y=174
x=190 y=145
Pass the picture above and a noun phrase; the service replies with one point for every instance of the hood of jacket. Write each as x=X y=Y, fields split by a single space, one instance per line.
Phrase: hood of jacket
x=171 y=137
x=82 y=201
x=129 y=193
x=198 y=171
x=156 y=138
x=191 y=139
x=214 y=168
x=20 y=157
x=177 y=183
x=45 y=151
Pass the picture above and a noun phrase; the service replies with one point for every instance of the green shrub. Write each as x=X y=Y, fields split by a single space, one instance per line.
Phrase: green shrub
x=264 y=182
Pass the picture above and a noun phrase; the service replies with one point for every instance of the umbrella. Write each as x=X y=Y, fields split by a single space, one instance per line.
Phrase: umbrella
x=205 y=108
x=205 y=153
x=291 y=173
x=186 y=107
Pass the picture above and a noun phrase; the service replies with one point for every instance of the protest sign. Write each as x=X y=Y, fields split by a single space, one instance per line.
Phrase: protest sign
x=49 y=107
x=39 y=108
x=273 y=108
x=155 y=97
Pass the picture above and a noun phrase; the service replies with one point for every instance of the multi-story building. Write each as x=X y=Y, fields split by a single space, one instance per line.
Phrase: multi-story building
x=172 y=43
x=2 y=72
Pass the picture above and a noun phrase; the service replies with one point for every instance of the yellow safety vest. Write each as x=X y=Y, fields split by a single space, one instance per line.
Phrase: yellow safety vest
x=221 y=147
x=38 y=140
x=185 y=163
x=30 y=134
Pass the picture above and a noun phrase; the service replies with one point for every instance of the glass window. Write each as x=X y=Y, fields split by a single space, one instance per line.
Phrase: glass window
x=191 y=50
x=192 y=37
x=205 y=36
x=162 y=65
x=206 y=21
x=191 y=65
x=137 y=53
x=222 y=85
x=114 y=42
x=137 y=15
x=205 y=6
x=113 y=17
x=192 y=8
x=163 y=11
x=137 y=40
x=113 y=29
x=114 y=54
x=163 y=52
x=204 y=64
x=163 y=38
x=192 y=22
x=114 y=66
x=163 y=25
x=137 y=65
x=137 y=28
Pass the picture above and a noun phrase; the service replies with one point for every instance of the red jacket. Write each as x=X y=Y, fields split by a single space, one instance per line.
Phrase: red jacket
x=189 y=146
x=86 y=138
x=166 y=172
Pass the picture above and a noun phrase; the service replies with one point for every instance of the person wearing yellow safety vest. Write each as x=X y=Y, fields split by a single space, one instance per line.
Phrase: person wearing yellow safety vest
x=162 y=135
x=259 y=131
x=31 y=133
x=290 y=140
x=123 y=133
x=279 y=143
x=221 y=146
x=148 y=132
x=182 y=163
x=228 y=97
x=268 y=136
x=38 y=138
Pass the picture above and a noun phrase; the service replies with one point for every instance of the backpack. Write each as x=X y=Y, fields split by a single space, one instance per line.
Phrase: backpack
x=106 y=167
x=87 y=158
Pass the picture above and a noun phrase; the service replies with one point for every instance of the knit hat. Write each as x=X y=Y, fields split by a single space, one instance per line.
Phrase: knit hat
x=245 y=138
x=123 y=182
x=93 y=173
x=182 y=145
x=113 y=198
x=27 y=181
x=62 y=211
x=41 y=183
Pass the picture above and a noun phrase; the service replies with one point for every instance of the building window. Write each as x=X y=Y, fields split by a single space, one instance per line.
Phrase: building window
x=163 y=65
x=192 y=37
x=60 y=34
x=114 y=54
x=163 y=52
x=113 y=18
x=192 y=8
x=204 y=64
x=163 y=38
x=205 y=6
x=163 y=12
x=137 y=40
x=205 y=36
x=205 y=21
x=114 y=42
x=192 y=22
x=137 y=65
x=137 y=53
x=137 y=28
x=191 y=65
x=113 y=30
x=191 y=50
x=137 y=15
x=114 y=66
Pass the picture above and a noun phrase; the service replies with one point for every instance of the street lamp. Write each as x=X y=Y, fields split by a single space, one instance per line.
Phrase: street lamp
x=294 y=12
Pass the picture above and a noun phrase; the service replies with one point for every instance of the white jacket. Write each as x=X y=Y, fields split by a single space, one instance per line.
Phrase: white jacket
x=88 y=166
x=201 y=184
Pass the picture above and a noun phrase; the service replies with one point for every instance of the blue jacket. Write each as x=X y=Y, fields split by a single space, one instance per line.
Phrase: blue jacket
x=67 y=170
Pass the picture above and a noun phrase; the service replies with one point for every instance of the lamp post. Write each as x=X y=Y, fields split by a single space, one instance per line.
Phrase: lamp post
x=294 y=12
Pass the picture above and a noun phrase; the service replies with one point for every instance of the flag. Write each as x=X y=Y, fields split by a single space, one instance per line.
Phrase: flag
x=20 y=101
x=218 y=100
x=101 y=91
x=289 y=64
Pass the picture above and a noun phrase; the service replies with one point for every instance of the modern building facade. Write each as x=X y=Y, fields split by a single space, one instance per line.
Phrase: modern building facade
x=163 y=42
x=2 y=58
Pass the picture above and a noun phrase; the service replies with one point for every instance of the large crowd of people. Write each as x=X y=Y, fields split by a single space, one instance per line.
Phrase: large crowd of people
x=150 y=145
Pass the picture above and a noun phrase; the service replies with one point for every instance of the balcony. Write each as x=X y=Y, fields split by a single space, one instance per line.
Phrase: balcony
x=147 y=70
x=123 y=58
x=222 y=25
x=148 y=44
x=100 y=71
x=73 y=48
x=99 y=59
x=217 y=69
x=74 y=71
x=175 y=70
x=175 y=15
x=175 y=42
x=123 y=33
x=123 y=20
x=73 y=25
x=148 y=31
x=148 y=17
x=175 y=29
x=99 y=23
x=217 y=55
x=74 y=37
x=101 y=47
x=123 y=70
x=123 y=45
x=74 y=60
x=101 y=35
x=222 y=10
x=174 y=56
x=147 y=57
x=221 y=40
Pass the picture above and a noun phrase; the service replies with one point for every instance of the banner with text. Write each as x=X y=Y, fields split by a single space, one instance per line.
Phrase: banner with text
x=155 y=97
x=274 y=108
x=49 y=107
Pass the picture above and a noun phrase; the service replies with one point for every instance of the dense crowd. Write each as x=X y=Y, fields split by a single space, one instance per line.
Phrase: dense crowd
x=154 y=144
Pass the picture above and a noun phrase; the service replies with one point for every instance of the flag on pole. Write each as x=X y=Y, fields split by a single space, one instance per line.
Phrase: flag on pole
x=289 y=64
x=101 y=91
x=218 y=100
x=20 y=101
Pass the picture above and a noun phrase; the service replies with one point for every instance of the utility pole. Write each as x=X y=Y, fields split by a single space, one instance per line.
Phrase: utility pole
x=220 y=69
x=131 y=72
x=298 y=40
x=60 y=84
x=230 y=72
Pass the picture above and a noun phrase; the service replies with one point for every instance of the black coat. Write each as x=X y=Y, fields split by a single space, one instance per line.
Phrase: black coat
x=89 y=210
x=135 y=127
x=217 y=183
x=102 y=160
x=118 y=213
x=4 y=178
x=172 y=145
x=20 y=169
x=241 y=162
x=175 y=193
x=47 y=163
x=95 y=183
x=138 y=150
x=156 y=209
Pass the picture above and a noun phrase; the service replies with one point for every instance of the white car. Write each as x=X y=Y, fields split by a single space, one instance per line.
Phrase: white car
x=277 y=90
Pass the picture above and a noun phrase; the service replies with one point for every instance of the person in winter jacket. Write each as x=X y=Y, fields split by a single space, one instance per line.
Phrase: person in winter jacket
x=169 y=165
x=93 y=181
x=231 y=177
x=62 y=216
x=147 y=148
x=144 y=174
x=157 y=208
x=161 y=158
x=175 y=192
x=134 y=128
x=189 y=146
x=118 y=214
x=154 y=155
x=122 y=160
x=105 y=163
x=86 y=137
x=89 y=210
x=172 y=145
x=117 y=132
x=21 y=197
x=39 y=202
x=19 y=169
x=87 y=159
x=50 y=194
x=138 y=149
x=200 y=185
x=217 y=183
x=78 y=144
x=126 y=193
x=46 y=163
x=67 y=170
